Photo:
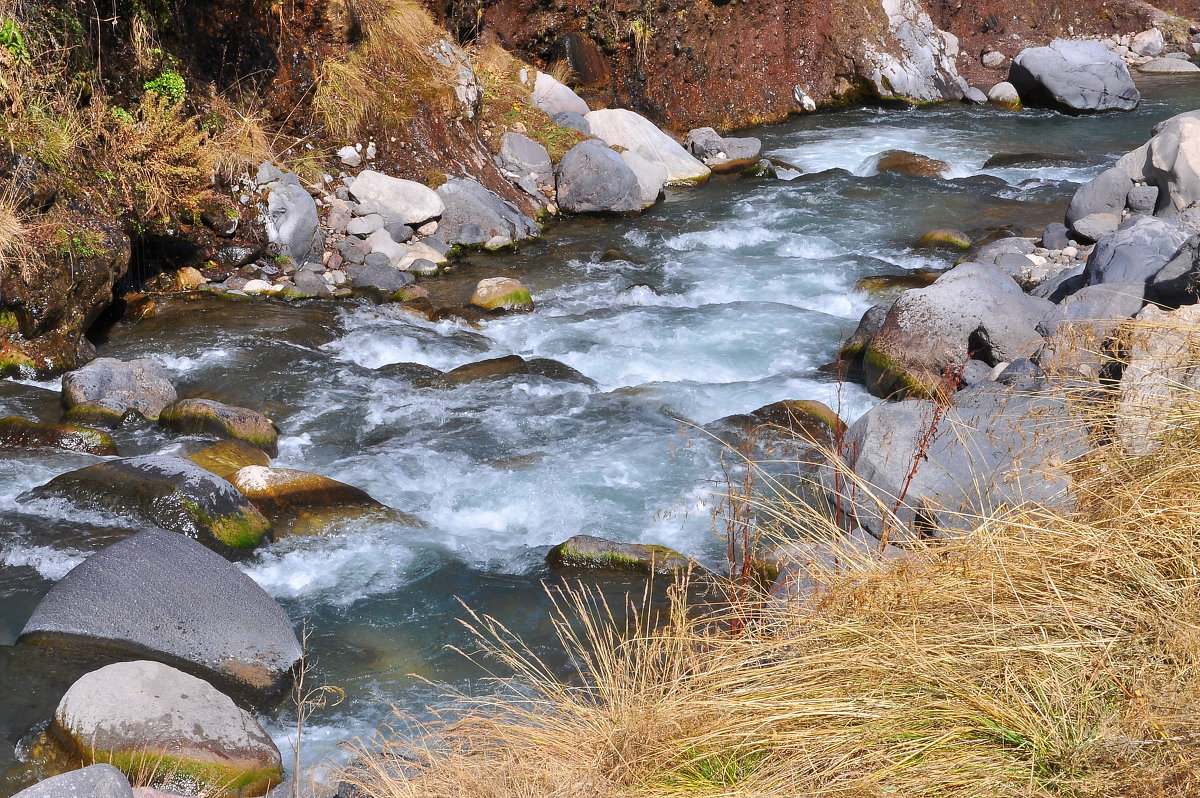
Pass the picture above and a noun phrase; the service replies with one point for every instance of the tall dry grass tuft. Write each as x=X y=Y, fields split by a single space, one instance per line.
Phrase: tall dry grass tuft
x=1040 y=653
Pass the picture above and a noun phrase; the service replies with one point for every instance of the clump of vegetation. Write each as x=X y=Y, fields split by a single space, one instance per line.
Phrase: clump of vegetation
x=168 y=85
x=1042 y=653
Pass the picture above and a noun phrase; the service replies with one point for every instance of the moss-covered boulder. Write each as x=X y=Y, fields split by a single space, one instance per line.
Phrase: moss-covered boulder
x=586 y=551
x=502 y=295
x=902 y=162
x=109 y=389
x=207 y=417
x=224 y=458
x=148 y=718
x=20 y=433
x=883 y=287
x=169 y=492
x=304 y=503
x=944 y=238
x=806 y=419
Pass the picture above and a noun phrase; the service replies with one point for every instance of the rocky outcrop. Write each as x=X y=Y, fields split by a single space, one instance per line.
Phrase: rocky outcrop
x=167 y=492
x=146 y=717
x=1074 y=76
x=162 y=595
x=586 y=551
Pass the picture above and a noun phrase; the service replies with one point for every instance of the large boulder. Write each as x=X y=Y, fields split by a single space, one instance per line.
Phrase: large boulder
x=1078 y=330
x=1162 y=373
x=208 y=417
x=587 y=551
x=1178 y=283
x=161 y=595
x=621 y=128
x=172 y=493
x=1137 y=251
x=402 y=201
x=974 y=311
x=1105 y=193
x=20 y=433
x=148 y=718
x=651 y=176
x=555 y=98
x=93 y=781
x=106 y=389
x=591 y=178
x=290 y=217
x=474 y=215
x=920 y=468
x=302 y=503
x=1074 y=76
x=901 y=162
x=1170 y=161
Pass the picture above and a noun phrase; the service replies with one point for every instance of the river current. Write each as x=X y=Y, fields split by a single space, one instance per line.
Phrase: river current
x=721 y=299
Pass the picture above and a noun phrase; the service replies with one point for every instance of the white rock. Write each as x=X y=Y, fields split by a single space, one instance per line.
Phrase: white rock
x=1004 y=94
x=380 y=241
x=427 y=229
x=257 y=287
x=1148 y=42
x=1168 y=66
x=651 y=176
x=621 y=128
x=926 y=60
x=405 y=201
x=554 y=97
x=349 y=156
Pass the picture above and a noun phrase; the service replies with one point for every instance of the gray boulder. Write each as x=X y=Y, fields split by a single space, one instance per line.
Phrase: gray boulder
x=112 y=388
x=973 y=311
x=1142 y=199
x=716 y=151
x=1137 y=251
x=1078 y=329
x=403 y=201
x=310 y=284
x=1074 y=76
x=163 y=595
x=1105 y=193
x=573 y=120
x=1178 y=283
x=382 y=277
x=93 y=781
x=172 y=493
x=290 y=218
x=975 y=96
x=1055 y=236
x=1096 y=226
x=989 y=253
x=138 y=713
x=651 y=176
x=1005 y=95
x=619 y=127
x=474 y=215
x=527 y=163
x=591 y=177
x=1169 y=66
x=704 y=143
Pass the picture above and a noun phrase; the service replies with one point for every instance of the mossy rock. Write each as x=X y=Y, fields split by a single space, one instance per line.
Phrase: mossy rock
x=207 y=417
x=20 y=433
x=808 y=419
x=887 y=378
x=304 y=503
x=168 y=492
x=502 y=295
x=92 y=414
x=224 y=458
x=587 y=551
x=902 y=162
x=944 y=238
x=889 y=286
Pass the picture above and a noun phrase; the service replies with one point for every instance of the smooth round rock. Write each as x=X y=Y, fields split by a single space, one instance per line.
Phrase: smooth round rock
x=225 y=457
x=204 y=416
x=20 y=433
x=144 y=717
x=505 y=294
x=164 y=595
x=119 y=387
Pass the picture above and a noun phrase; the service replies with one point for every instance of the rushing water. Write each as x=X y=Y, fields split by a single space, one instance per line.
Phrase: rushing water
x=722 y=299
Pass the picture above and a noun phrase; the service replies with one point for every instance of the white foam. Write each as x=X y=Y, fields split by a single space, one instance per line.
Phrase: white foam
x=52 y=564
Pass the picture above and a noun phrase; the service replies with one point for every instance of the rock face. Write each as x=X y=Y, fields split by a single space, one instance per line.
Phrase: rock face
x=204 y=416
x=402 y=201
x=20 y=433
x=167 y=492
x=1162 y=372
x=621 y=128
x=290 y=218
x=586 y=551
x=921 y=64
x=474 y=215
x=593 y=178
x=1074 y=76
x=93 y=781
x=503 y=294
x=974 y=311
x=107 y=389
x=163 y=595
x=142 y=715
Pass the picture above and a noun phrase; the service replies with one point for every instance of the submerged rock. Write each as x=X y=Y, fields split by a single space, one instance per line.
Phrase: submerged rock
x=946 y=237
x=164 y=595
x=20 y=433
x=304 y=503
x=93 y=781
x=148 y=718
x=1074 y=76
x=502 y=294
x=168 y=492
x=910 y=163
x=586 y=551
x=226 y=457
x=205 y=416
x=107 y=389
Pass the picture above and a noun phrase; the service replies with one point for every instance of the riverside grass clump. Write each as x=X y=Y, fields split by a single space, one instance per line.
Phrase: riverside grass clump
x=1042 y=653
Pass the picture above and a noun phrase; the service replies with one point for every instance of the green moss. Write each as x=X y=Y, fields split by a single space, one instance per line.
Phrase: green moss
x=513 y=299
x=9 y=322
x=94 y=415
x=185 y=776
x=244 y=529
x=15 y=363
x=894 y=379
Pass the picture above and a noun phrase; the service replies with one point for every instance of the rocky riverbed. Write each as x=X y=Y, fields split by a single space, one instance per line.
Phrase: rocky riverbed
x=255 y=453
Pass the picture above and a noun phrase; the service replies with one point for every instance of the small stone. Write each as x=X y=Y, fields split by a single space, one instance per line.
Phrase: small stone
x=258 y=287
x=993 y=59
x=349 y=156
x=427 y=229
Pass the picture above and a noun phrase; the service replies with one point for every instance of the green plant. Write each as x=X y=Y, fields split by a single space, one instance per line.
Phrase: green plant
x=169 y=85
x=121 y=115
x=12 y=41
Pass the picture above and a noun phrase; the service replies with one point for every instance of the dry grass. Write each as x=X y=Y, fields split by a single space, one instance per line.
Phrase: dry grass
x=1039 y=654
x=387 y=76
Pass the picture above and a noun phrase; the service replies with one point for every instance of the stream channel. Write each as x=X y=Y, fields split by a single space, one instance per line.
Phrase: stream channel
x=721 y=299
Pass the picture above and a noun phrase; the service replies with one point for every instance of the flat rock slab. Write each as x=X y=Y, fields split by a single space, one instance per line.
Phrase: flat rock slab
x=168 y=492
x=144 y=715
x=162 y=595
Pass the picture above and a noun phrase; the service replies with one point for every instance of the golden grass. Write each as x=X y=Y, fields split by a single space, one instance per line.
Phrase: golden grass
x=1041 y=653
